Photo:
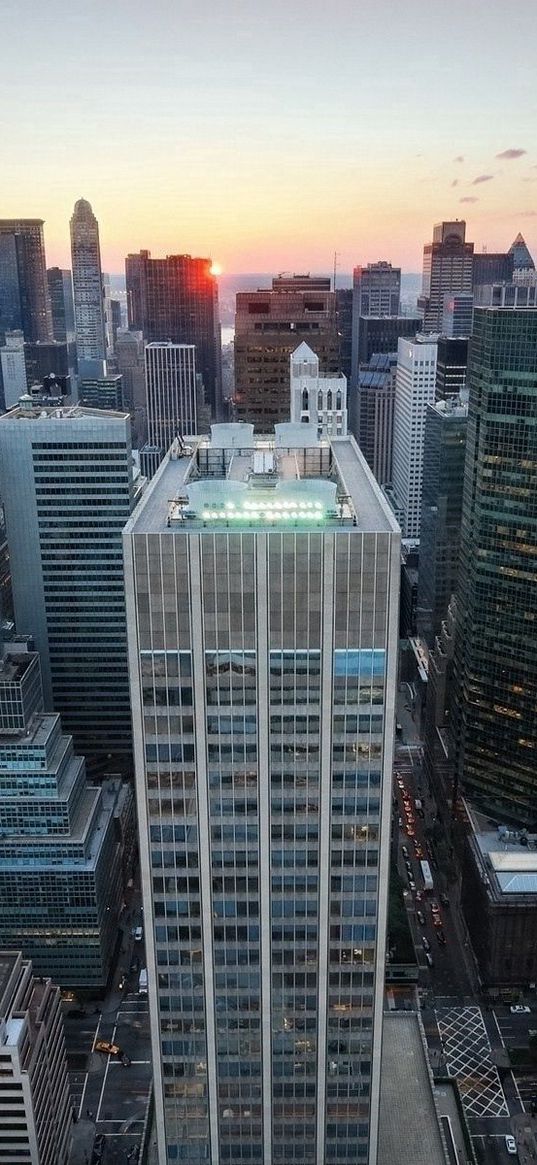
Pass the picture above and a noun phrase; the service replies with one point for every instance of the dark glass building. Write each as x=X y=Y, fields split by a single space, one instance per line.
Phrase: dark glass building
x=441 y=509
x=492 y=267
x=451 y=364
x=496 y=640
x=27 y=247
x=10 y=300
x=176 y=299
x=382 y=333
x=344 y=329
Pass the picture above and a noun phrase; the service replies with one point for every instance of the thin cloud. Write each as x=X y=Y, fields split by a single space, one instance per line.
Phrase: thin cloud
x=509 y=155
x=468 y=199
x=459 y=158
x=528 y=214
x=482 y=178
x=455 y=182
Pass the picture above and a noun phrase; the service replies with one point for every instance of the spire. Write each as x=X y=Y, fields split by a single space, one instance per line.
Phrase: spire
x=521 y=255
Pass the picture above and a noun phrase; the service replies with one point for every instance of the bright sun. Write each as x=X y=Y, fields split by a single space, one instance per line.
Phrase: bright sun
x=216 y=269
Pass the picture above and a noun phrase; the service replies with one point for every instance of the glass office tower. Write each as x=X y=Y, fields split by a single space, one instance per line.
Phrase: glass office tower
x=495 y=649
x=262 y=589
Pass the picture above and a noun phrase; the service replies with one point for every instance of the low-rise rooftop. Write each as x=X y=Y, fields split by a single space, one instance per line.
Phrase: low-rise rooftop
x=508 y=856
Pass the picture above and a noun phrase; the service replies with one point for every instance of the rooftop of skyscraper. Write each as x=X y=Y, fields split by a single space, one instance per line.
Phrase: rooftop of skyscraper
x=284 y=481
x=65 y=413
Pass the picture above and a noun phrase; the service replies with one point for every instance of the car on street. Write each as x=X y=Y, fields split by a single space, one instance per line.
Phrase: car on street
x=425 y=943
x=410 y=831
x=418 y=849
x=444 y=900
x=510 y=1145
x=411 y=884
x=435 y=909
x=108 y=1048
x=429 y=960
x=519 y=1009
x=440 y=936
x=437 y=921
x=138 y=934
x=421 y=917
x=404 y=851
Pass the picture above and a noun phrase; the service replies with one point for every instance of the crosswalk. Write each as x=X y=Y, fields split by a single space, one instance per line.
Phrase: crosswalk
x=467 y=1051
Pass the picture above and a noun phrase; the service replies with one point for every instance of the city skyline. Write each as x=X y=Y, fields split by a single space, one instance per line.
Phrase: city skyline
x=258 y=140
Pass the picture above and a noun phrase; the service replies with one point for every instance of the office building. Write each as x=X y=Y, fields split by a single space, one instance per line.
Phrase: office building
x=61 y=881
x=451 y=366
x=13 y=368
x=46 y=357
x=130 y=361
x=24 y=299
x=176 y=299
x=102 y=392
x=344 y=329
x=67 y=483
x=381 y=334
x=87 y=289
x=457 y=315
x=414 y=390
x=269 y=325
x=262 y=613
x=516 y=294
x=492 y=267
x=447 y=270
x=376 y=291
x=170 y=372
x=444 y=449
x=371 y=413
x=496 y=641
x=316 y=399
x=60 y=286
x=35 y=1102
x=522 y=259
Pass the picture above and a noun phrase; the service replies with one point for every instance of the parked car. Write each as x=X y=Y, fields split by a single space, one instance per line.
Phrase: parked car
x=510 y=1145
x=425 y=943
x=404 y=851
x=138 y=934
x=421 y=917
x=441 y=938
x=444 y=900
x=429 y=960
x=519 y=1009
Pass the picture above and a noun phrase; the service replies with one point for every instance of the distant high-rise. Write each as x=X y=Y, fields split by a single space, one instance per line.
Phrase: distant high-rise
x=35 y=1101
x=13 y=369
x=269 y=325
x=457 y=315
x=344 y=329
x=522 y=259
x=61 y=881
x=262 y=595
x=170 y=371
x=376 y=291
x=316 y=399
x=176 y=299
x=381 y=334
x=87 y=288
x=441 y=512
x=66 y=481
x=492 y=267
x=130 y=363
x=24 y=296
x=414 y=390
x=60 y=286
x=496 y=639
x=371 y=413
x=447 y=270
x=102 y=392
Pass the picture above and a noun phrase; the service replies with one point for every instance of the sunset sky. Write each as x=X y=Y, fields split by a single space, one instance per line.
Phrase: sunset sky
x=271 y=133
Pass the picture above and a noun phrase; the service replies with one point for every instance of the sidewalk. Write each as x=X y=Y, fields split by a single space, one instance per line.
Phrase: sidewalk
x=83 y=1139
x=524 y=1132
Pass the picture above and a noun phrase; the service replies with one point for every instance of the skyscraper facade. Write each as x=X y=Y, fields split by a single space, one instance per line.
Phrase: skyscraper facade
x=457 y=315
x=60 y=855
x=372 y=407
x=414 y=390
x=87 y=286
x=22 y=257
x=496 y=642
x=35 y=1102
x=60 y=286
x=13 y=369
x=170 y=372
x=262 y=610
x=376 y=291
x=381 y=334
x=269 y=325
x=451 y=366
x=176 y=299
x=315 y=399
x=447 y=270
x=130 y=361
x=522 y=258
x=444 y=449
x=492 y=267
x=67 y=485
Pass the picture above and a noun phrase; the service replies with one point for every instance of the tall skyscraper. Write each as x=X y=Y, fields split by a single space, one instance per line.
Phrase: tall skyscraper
x=447 y=270
x=130 y=362
x=60 y=286
x=457 y=315
x=414 y=390
x=496 y=640
x=87 y=289
x=269 y=325
x=492 y=267
x=376 y=291
x=381 y=334
x=35 y=1102
x=22 y=263
x=371 y=413
x=13 y=369
x=61 y=882
x=262 y=613
x=315 y=399
x=170 y=372
x=176 y=299
x=451 y=366
x=67 y=485
x=444 y=448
